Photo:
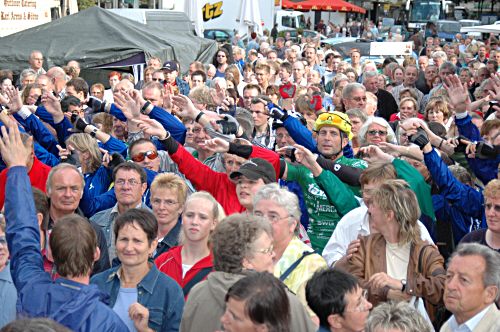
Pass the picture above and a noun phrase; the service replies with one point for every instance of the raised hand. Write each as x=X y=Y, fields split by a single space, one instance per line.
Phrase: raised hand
x=152 y=128
x=308 y=159
x=53 y=106
x=14 y=152
x=186 y=106
x=216 y=145
x=457 y=92
x=127 y=104
x=15 y=102
x=495 y=81
x=373 y=153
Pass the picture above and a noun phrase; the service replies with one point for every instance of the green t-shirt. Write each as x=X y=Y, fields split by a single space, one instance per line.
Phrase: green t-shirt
x=327 y=200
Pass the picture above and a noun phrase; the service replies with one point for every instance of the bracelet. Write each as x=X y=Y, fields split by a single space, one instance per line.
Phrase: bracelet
x=441 y=143
x=145 y=107
x=198 y=117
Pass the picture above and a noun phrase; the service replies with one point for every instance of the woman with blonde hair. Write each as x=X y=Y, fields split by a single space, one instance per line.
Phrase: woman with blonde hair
x=436 y=110
x=191 y=262
x=394 y=263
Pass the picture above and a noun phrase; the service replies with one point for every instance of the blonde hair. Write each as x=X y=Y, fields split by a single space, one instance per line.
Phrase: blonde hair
x=396 y=196
x=171 y=182
x=439 y=105
x=492 y=189
x=85 y=143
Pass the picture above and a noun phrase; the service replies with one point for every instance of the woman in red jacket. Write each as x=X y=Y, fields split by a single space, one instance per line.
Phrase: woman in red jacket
x=191 y=262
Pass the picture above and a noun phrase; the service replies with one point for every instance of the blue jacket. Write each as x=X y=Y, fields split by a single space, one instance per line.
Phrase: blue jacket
x=160 y=294
x=182 y=85
x=485 y=169
x=62 y=128
x=77 y=306
x=457 y=203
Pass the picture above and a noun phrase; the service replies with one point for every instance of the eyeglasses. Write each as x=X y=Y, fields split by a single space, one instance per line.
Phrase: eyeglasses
x=273 y=218
x=169 y=202
x=266 y=251
x=364 y=305
x=131 y=182
x=141 y=156
x=377 y=132
x=3 y=241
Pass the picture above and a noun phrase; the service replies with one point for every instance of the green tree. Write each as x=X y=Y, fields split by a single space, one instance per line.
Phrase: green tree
x=84 y=4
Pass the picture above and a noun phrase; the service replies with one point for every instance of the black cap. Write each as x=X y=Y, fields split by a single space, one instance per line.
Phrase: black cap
x=254 y=169
x=170 y=65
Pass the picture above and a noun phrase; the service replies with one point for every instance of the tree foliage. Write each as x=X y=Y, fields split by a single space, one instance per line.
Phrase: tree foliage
x=84 y=4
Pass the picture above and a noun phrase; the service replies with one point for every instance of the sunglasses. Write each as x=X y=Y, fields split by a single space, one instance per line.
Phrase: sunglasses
x=377 y=132
x=141 y=156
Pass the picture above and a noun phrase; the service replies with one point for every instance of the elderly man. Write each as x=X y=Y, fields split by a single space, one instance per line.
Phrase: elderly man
x=36 y=62
x=299 y=73
x=338 y=300
x=471 y=289
x=59 y=79
x=409 y=81
x=130 y=185
x=386 y=104
x=295 y=261
x=354 y=96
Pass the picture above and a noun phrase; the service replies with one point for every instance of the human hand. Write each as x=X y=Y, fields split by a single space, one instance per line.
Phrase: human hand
x=53 y=106
x=495 y=95
x=308 y=159
x=216 y=145
x=457 y=92
x=12 y=149
x=381 y=279
x=139 y=314
x=152 y=128
x=63 y=153
x=15 y=102
x=353 y=248
x=186 y=107
x=127 y=104
x=373 y=153
x=106 y=158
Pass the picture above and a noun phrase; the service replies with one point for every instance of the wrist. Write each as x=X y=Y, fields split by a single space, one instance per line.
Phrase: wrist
x=198 y=117
x=24 y=112
x=147 y=108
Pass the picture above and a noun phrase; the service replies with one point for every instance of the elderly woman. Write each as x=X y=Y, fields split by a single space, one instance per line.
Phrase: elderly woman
x=143 y=297
x=168 y=195
x=436 y=110
x=396 y=264
x=191 y=262
x=398 y=317
x=239 y=243
x=374 y=131
x=281 y=208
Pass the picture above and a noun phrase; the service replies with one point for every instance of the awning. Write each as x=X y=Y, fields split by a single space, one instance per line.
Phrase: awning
x=322 y=5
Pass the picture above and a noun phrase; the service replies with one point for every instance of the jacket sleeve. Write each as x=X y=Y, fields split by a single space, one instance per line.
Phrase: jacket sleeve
x=467 y=129
x=428 y=283
x=170 y=123
x=172 y=322
x=115 y=145
x=300 y=134
x=45 y=156
x=463 y=197
x=61 y=127
x=40 y=133
x=347 y=174
x=337 y=192
x=91 y=206
x=22 y=231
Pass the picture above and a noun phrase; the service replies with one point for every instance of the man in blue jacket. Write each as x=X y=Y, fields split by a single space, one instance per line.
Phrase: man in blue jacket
x=69 y=300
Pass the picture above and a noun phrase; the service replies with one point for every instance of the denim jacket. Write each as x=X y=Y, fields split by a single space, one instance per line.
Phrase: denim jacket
x=160 y=294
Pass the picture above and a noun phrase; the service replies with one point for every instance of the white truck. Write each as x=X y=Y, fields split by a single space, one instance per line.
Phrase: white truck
x=239 y=15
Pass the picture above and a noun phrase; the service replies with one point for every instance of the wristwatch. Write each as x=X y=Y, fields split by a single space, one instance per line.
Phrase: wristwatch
x=93 y=132
x=403 y=282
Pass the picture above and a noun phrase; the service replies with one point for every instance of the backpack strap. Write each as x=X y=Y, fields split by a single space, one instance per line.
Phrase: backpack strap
x=295 y=264
x=196 y=279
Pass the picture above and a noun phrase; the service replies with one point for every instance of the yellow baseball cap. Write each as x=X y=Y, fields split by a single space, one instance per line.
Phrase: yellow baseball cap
x=335 y=119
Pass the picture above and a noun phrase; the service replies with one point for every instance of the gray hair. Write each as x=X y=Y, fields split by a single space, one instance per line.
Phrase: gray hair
x=439 y=54
x=55 y=169
x=357 y=113
x=448 y=65
x=369 y=74
x=491 y=275
x=396 y=315
x=27 y=72
x=281 y=196
x=350 y=88
x=391 y=136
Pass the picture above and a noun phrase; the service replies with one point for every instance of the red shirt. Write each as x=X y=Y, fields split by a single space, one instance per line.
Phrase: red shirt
x=38 y=174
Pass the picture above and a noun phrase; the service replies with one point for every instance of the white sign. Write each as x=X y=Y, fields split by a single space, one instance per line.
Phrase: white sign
x=391 y=48
x=18 y=15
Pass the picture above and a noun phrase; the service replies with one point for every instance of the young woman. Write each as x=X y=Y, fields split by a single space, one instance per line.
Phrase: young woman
x=191 y=262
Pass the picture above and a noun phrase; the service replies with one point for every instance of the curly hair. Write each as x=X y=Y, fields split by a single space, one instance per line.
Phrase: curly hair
x=233 y=240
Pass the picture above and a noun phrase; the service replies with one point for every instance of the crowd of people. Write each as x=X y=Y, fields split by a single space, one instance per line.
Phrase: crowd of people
x=280 y=188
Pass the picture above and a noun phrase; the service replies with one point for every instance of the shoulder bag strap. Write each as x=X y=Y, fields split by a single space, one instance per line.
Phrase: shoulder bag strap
x=294 y=265
x=196 y=279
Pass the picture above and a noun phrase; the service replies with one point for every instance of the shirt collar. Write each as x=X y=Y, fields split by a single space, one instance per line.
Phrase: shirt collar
x=471 y=323
x=147 y=283
x=172 y=238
